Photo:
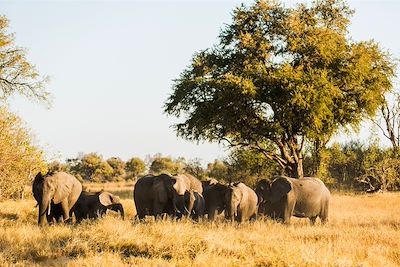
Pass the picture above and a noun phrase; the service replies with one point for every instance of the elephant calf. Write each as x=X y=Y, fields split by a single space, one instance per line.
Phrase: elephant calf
x=194 y=201
x=92 y=205
x=240 y=202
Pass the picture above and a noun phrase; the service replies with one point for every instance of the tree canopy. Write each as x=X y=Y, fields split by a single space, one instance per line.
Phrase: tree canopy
x=17 y=75
x=20 y=159
x=279 y=77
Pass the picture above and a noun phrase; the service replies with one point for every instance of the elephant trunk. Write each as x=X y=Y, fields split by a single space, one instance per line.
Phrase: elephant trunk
x=231 y=211
x=44 y=206
x=118 y=208
x=179 y=205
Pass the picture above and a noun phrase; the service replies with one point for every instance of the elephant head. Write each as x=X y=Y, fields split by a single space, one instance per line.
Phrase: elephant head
x=214 y=196
x=179 y=188
x=278 y=189
x=190 y=200
x=111 y=202
x=263 y=188
x=272 y=191
x=163 y=192
x=233 y=197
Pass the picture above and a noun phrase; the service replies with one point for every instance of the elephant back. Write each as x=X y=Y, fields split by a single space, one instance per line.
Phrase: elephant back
x=191 y=182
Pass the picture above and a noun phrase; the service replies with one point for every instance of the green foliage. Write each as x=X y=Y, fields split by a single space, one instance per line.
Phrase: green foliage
x=92 y=167
x=194 y=168
x=135 y=167
x=20 y=159
x=285 y=75
x=118 y=168
x=17 y=75
x=249 y=166
x=357 y=166
x=218 y=170
x=166 y=165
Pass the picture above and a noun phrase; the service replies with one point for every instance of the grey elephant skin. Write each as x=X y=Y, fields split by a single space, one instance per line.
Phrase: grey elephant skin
x=195 y=204
x=284 y=197
x=214 y=197
x=56 y=194
x=241 y=203
x=92 y=205
x=158 y=194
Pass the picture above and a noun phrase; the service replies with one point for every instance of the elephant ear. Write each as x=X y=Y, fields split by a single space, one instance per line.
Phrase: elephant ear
x=106 y=199
x=160 y=190
x=62 y=189
x=279 y=188
x=37 y=186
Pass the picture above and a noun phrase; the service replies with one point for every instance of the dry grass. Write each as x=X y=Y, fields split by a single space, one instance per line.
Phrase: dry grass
x=363 y=231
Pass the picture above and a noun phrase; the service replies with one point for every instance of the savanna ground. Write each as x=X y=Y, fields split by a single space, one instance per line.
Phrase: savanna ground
x=364 y=230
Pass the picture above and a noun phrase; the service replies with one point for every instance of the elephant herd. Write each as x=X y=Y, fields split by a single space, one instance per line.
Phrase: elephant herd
x=60 y=195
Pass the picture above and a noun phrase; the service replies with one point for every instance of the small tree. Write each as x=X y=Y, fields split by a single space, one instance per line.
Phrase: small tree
x=218 y=170
x=17 y=75
x=389 y=120
x=20 y=160
x=135 y=167
x=166 y=164
x=194 y=168
x=118 y=167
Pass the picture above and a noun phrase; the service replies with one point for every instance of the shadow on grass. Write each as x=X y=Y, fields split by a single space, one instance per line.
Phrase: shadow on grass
x=9 y=216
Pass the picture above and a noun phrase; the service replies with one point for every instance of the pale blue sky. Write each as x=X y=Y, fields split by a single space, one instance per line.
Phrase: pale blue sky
x=112 y=64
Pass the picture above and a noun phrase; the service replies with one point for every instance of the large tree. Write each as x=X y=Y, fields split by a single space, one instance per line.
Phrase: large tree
x=17 y=74
x=283 y=76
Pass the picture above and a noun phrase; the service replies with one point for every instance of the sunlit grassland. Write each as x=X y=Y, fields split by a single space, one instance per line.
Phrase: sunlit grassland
x=364 y=230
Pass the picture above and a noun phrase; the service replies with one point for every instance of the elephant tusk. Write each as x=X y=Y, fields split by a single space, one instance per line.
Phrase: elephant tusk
x=48 y=210
x=187 y=210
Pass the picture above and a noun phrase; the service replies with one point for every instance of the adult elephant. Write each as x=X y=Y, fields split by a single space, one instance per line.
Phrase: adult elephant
x=241 y=203
x=214 y=197
x=92 y=205
x=59 y=192
x=155 y=195
x=284 y=197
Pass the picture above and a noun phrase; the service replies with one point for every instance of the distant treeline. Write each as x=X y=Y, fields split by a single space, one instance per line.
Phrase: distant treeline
x=352 y=166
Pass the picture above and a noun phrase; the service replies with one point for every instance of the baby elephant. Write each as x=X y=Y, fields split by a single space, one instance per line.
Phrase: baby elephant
x=240 y=203
x=194 y=201
x=92 y=205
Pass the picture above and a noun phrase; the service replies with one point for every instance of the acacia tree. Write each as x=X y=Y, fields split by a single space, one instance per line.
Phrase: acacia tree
x=283 y=76
x=17 y=75
x=389 y=120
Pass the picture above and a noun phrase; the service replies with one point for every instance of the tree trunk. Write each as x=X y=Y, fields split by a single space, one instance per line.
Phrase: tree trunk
x=291 y=151
x=295 y=170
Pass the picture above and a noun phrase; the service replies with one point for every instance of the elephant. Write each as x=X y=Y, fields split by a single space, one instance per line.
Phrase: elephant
x=92 y=205
x=56 y=194
x=214 y=194
x=195 y=204
x=284 y=197
x=240 y=202
x=155 y=195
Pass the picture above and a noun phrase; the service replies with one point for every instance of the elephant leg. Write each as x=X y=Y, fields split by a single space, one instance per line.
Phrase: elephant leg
x=65 y=210
x=49 y=218
x=313 y=219
x=324 y=215
x=287 y=214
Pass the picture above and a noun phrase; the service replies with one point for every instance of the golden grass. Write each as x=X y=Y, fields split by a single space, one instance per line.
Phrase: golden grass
x=364 y=230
